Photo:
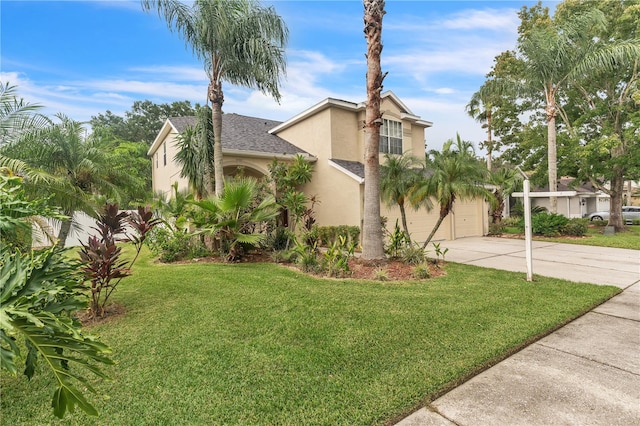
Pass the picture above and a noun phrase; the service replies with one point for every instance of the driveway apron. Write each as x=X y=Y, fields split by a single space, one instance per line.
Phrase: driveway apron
x=585 y=373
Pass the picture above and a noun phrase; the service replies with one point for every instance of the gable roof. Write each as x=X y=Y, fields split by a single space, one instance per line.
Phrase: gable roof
x=405 y=114
x=354 y=169
x=240 y=134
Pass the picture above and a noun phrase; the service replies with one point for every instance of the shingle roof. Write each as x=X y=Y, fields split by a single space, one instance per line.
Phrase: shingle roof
x=243 y=133
x=571 y=184
x=354 y=167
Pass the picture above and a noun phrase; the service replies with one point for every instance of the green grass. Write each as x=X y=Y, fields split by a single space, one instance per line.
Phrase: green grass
x=261 y=344
x=629 y=239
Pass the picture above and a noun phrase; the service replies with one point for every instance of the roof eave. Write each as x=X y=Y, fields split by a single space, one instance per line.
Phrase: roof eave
x=162 y=134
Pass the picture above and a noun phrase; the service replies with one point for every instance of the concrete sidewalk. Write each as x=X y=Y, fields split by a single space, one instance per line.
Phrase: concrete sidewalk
x=586 y=373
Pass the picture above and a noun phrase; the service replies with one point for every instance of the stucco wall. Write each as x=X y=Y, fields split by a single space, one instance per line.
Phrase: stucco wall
x=164 y=175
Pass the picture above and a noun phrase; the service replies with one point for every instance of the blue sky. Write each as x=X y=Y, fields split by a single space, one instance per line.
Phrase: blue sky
x=83 y=58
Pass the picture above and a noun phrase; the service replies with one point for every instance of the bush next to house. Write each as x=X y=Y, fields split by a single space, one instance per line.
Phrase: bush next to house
x=548 y=224
x=576 y=227
x=327 y=235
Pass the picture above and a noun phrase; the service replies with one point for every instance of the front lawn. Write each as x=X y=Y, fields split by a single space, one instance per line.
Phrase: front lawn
x=629 y=239
x=249 y=344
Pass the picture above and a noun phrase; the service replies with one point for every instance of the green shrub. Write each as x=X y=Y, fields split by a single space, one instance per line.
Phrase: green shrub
x=412 y=254
x=635 y=222
x=421 y=271
x=278 y=239
x=327 y=235
x=381 y=274
x=495 y=229
x=548 y=224
x=576 y=227
x=335 y=260
x=172 y=246
x=599 y=222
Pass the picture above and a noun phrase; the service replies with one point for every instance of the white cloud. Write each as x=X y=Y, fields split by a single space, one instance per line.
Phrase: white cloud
x=174 y=73
x=488 y=19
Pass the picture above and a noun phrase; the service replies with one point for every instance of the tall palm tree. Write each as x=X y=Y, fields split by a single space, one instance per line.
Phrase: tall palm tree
x=78 y=170
x=455 y=174
x=398 y=175
x=554 y=56
x=239 y=41
x=481 y=108
x=195 y=154
x=372 y=246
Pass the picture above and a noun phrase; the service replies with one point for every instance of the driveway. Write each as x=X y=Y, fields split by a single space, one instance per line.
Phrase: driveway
x=585 y=373
x=596 y=265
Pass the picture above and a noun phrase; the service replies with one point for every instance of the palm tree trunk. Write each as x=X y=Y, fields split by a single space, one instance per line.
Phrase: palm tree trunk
x=552 y=158
x=217 y=99
x=489 y=141
x=65 y=229
x=434 y=230
x=403 y=215
x=372 y=246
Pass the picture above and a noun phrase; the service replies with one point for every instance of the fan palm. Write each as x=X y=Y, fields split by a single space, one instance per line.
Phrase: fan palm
x=237 y=216
x=505 y=181
x=455 y=174
x=398 y=175
x=239 y=41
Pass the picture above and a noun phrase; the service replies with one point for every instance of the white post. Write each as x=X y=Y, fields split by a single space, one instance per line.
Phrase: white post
x=527 y=231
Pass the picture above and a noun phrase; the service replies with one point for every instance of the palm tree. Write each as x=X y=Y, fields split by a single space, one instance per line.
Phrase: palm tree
x=195 y=154
x=239 y=41
x=238 y=217
x=77 y=170
x=554 y=56
x=505 y=181
x=398 y=175
x=372 y=246
x=17 y=115
x=455 y=174
x=481 y=108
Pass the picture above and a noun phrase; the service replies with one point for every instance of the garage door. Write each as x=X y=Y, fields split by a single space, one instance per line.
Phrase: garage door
x=468 y=218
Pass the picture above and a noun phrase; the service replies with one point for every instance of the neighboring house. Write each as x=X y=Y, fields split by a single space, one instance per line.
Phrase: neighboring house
x=331 y=135
x=579 y=199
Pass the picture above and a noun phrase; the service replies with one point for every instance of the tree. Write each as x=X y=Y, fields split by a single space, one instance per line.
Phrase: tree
x=78 y=170
x=398 y=175
x=39 y=292
x=557 y=53
x=17 y=115
x=604 y=116
x=372 y=246
x=143 y=121
x=195 y=155
x=455 y=173
x=505 y=181
x=239 y=41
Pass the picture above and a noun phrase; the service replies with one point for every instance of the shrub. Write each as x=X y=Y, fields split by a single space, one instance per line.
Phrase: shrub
x=327 y=235
x=576 y=227
x=413 y=254
x=548 y=224
x=172 y=246
x=599 y=222
x=495 y=229
x=336 y=259
x=380 y=274
x=397 y=240
x=635 y=221
x=278 y=239
x=421 y=271
x=306 y=257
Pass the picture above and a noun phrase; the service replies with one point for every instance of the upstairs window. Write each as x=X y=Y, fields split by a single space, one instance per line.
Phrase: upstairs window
x=391 y=137
x=165 y=153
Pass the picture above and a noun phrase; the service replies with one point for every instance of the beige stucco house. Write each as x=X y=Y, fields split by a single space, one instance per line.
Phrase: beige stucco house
x=330 y=135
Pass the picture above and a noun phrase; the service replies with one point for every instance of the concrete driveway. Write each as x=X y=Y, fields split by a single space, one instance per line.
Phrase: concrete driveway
x=586 y=373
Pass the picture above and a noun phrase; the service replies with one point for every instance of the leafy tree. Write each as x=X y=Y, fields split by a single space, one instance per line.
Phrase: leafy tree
x=237 y=217
x=455 y=173
x=239 y=41
x=372 y=245
x=143 y=121
x=398 y=175
x=39 y=292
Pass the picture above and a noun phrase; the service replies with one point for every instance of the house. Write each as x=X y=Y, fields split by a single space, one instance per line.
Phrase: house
x=578 y=200
x=330 y=134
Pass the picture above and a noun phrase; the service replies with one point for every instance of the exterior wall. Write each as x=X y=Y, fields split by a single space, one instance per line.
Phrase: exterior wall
x=313 y=135
x=567 y=206
x=164 y=175
x=420 y=222
x=347 y=136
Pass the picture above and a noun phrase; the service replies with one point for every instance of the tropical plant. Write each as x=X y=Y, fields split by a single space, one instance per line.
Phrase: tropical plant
x=504 y=181
x=237 y=216
x=335 y=259
x=454 y=173
x=372 y=244
x=102 y=264
x=195 y=154
x=556 y=54
x=398 y=175
x=17 y=115
x=79 y=170
x=39 y=293
x=239 y=41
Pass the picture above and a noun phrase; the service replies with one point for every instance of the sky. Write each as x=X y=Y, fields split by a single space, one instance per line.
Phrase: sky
x=82 y=58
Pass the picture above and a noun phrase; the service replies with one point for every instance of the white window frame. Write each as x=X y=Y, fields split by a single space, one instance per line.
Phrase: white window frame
x=391 y=137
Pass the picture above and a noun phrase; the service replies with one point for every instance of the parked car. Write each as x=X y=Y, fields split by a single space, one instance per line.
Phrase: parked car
x=629 y=213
